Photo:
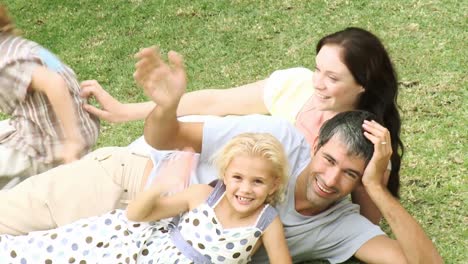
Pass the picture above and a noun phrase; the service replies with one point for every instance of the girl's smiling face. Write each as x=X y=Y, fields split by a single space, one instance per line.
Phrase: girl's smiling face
x=249 y=181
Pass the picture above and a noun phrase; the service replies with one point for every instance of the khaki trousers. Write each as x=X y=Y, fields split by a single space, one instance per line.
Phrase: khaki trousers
x=103 y=180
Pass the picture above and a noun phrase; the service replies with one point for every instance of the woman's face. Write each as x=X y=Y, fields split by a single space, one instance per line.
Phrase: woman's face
x=335 y=87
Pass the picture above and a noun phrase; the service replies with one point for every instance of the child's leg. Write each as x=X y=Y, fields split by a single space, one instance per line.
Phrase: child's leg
x=87 y=187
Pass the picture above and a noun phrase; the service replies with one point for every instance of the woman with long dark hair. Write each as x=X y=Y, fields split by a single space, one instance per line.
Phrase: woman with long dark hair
x=352 y=71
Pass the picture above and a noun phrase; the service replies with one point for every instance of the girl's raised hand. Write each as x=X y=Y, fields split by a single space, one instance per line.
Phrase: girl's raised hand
x=380 y=137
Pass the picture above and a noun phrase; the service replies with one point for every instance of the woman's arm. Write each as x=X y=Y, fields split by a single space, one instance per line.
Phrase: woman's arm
x=241 y=100
x=275 y=243
x=111 y=109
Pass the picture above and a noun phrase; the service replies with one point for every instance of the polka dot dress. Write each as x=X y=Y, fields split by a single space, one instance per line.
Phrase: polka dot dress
x=112 y=238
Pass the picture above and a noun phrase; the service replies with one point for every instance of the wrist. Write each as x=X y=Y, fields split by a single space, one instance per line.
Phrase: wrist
x=167 y=112
x=374 y=188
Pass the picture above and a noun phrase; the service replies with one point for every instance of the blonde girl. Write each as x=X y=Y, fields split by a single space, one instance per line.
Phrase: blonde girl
x=226 y=223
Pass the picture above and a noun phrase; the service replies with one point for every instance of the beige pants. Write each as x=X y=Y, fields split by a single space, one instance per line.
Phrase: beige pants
x=103 y=180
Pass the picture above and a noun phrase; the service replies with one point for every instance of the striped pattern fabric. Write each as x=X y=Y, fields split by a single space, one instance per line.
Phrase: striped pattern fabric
x=38 y=130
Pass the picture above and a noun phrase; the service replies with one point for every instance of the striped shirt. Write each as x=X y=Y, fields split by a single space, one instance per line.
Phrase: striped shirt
x=38 y=132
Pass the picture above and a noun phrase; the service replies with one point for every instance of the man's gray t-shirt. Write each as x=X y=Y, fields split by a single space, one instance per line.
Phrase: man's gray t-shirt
x=334 y=235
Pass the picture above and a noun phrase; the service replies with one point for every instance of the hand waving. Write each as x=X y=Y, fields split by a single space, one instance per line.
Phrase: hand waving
x=164 y=83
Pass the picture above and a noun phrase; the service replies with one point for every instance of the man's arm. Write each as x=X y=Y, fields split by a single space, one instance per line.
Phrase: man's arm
x=54 y=87
x=411 y=245
x=165 y=84
x=241 y=100
x=367 y=207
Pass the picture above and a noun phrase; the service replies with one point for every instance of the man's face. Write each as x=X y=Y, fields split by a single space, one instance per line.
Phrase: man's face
x=333 y=174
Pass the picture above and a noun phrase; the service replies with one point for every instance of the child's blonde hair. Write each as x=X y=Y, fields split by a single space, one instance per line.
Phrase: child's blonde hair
x=261 y=145
x=6 y=23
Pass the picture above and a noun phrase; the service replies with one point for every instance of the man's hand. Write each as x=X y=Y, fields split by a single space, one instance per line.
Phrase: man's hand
x=164 y=83
x=380 y=137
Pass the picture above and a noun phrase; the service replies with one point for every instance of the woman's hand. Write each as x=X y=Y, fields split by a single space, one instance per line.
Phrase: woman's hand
x=111 y=109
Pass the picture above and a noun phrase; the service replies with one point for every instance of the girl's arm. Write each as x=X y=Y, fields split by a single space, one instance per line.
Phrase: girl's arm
x=274 y=241
x=241 y=100
x=150 y=205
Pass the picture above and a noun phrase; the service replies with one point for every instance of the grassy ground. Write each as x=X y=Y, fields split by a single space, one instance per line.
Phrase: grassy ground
x=228 y=43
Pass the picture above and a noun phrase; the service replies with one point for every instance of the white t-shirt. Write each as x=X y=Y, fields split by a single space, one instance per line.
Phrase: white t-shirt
x=335 y=234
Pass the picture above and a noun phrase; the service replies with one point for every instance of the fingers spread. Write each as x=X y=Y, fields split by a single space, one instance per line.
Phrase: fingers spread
x=176 y=60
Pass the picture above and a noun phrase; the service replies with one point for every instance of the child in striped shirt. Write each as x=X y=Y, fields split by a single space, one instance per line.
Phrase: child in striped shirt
x=47 y=124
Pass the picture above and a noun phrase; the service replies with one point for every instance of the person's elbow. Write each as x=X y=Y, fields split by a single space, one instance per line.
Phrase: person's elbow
x=133 y=214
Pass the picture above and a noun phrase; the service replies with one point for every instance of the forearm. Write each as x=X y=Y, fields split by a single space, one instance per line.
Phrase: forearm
x=415 y=244
x=136 y=111
x=56 y=90
x=143 y=205
x=161 y=128
x=201 y=102
x=367 y=207
x=241 y=100
x=62 y=104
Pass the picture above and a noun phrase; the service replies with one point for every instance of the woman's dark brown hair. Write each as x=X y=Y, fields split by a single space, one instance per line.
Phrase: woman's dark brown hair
x=369 y=63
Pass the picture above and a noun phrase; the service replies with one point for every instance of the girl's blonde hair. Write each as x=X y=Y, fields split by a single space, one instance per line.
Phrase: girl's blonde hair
x=261 y=145
x=6 y=23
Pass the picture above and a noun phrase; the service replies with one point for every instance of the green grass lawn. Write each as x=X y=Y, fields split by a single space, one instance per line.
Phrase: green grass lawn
x=228 y=43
